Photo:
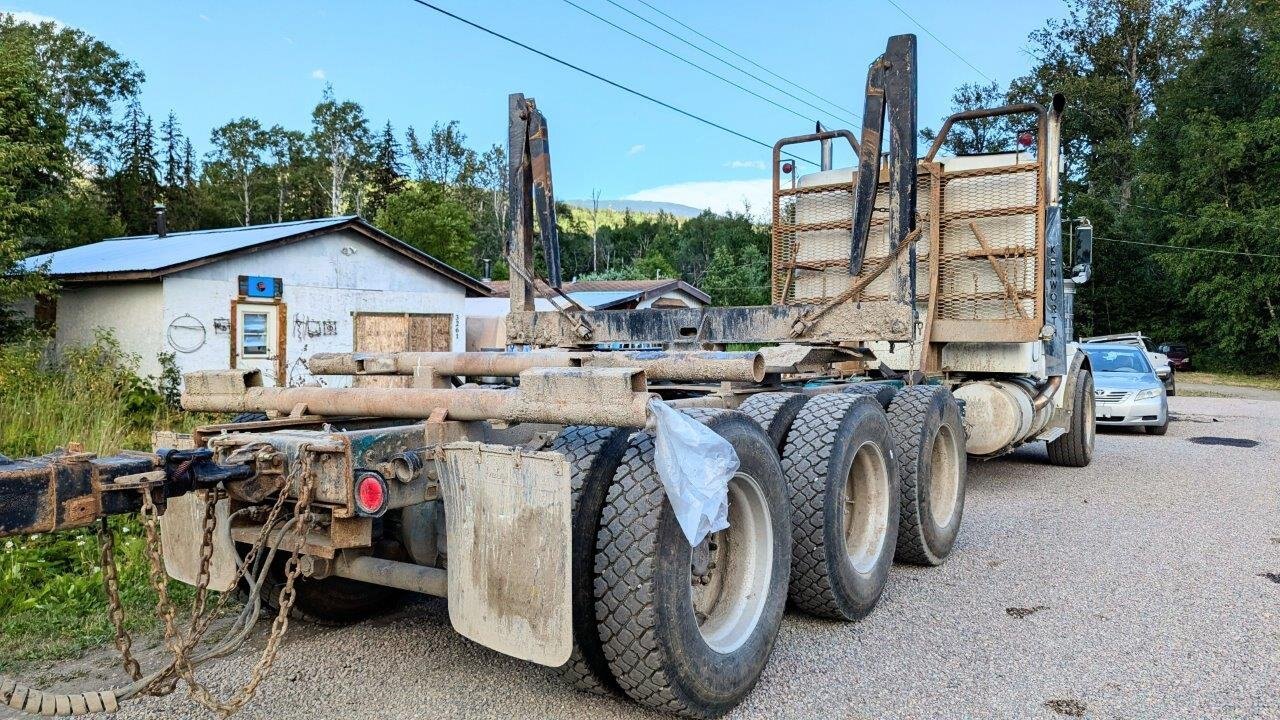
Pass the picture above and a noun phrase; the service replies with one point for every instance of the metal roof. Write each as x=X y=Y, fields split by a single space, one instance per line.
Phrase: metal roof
x=152 y=252
x=149 y=256
x=598 y=299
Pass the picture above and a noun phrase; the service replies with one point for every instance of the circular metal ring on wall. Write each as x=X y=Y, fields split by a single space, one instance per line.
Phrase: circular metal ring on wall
x=192 y=326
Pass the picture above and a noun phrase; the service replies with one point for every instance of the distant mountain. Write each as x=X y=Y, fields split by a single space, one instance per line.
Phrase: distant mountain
x=640 y=206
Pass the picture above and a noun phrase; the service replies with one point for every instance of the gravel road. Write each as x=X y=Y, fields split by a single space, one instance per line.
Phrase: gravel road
x=1134 y=588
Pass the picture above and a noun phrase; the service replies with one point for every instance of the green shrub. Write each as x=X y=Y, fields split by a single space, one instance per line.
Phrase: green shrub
x=52 y=602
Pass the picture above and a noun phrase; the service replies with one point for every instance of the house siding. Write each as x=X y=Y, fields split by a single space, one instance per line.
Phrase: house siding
x=323 y=289
x=132 y=312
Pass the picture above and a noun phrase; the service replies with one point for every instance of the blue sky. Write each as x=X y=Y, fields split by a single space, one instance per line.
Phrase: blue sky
x=214 y=61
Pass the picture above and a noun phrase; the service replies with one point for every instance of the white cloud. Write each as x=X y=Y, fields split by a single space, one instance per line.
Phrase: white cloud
x=318 y=74
x=25 y=16
x=745 y=164
x=635 y=150
x=288 y=39
x=203 y=17
x=717 y=195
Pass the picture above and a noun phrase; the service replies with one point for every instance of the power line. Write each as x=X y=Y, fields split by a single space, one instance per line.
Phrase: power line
x=1191 y=216
x=745 y=58
x=606 y=80
x=687 y=61
x=1188 y=249
x=856 y=118
x=940 y=42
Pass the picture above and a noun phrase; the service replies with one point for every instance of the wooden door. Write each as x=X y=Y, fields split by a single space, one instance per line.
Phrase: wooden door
x=400 y=332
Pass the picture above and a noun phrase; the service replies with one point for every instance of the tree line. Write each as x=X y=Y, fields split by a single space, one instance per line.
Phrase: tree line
x=1171 y=139
x=80 y=160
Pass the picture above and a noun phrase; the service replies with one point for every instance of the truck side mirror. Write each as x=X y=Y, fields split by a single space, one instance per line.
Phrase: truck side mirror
x=1082 y=267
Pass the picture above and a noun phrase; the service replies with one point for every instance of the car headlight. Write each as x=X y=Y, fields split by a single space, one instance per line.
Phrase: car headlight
x=1149 y=393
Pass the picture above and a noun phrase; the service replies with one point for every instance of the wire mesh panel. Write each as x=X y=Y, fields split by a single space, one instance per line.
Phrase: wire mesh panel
x=812 y=239
x=990 y=249
x=989 y=238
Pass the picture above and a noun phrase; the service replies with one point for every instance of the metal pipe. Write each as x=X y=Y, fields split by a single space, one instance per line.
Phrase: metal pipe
x=825 y=149
x=1045 y=396
x=391 y=573
x=657 y=365
x=511 y=405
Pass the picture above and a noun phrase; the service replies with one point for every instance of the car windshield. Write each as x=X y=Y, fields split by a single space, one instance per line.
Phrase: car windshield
x=1121 y=360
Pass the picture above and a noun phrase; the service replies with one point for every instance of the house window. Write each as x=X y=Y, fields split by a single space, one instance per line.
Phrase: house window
x=253 y=334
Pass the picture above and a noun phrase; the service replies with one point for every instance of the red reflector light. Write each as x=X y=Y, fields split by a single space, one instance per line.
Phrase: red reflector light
x=371 y=495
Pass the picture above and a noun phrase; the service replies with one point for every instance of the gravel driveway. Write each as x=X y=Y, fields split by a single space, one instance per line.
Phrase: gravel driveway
x=1134 y=588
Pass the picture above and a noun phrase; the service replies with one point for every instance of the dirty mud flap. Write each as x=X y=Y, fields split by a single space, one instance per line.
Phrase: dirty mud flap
x=508 y=518
x=181 y=536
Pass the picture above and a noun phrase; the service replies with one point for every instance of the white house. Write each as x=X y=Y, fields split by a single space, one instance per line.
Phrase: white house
x=486 y=316
x=264 y=296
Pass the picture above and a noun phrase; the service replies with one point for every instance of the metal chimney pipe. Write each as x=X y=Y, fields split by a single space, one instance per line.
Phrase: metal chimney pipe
x=488 y=270
x=161 y=227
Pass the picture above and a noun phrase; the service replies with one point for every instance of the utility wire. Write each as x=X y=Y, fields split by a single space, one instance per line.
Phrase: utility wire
x=1192 y=216
x=940 y=42
x=746 y=59
x=855 y=117
x=1189 y=249
x=688 y=62
x=607 y=81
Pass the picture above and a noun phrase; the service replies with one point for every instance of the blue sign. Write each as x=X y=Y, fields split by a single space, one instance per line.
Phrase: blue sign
x=260 y=287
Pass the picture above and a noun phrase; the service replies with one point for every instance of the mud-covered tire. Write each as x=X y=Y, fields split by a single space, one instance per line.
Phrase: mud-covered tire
x=774 y=412
x=644 y=601
x=1075 y=447
x=928 y=444
x=838 y=446
x=593 y=453
x=883 y=392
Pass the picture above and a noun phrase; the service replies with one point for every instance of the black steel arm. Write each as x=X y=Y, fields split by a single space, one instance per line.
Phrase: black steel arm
x=891 y=86
x=65 y=490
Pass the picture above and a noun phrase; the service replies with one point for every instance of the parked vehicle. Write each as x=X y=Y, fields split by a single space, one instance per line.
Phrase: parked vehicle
x=1178 y=354
x=1163 y=367
x=540 y=508
x=1127 y=391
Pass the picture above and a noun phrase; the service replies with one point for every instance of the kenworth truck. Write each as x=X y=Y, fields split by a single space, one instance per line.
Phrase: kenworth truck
x=918 y=317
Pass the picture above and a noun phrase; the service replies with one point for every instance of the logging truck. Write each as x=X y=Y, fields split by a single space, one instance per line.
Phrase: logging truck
x=919 y=318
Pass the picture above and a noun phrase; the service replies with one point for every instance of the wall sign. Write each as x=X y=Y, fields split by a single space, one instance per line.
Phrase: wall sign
x=259 y=286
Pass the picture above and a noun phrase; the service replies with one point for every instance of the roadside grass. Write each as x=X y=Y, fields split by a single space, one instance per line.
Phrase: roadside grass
x=52 y=602
x=1265 y=382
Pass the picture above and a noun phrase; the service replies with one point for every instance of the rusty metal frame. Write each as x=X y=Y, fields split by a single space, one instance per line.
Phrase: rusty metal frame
x=1022 y=328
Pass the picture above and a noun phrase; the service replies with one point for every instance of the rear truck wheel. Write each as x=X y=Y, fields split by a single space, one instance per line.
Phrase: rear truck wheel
x=883 y=392
x=774 y=411
x=1075 y=447
x=593 y=454
x=331 y=600
x=844 y=498
x=689 y=630
x=928 y=443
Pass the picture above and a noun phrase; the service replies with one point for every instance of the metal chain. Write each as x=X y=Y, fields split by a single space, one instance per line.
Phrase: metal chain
x=288 y=594
x=111 y=583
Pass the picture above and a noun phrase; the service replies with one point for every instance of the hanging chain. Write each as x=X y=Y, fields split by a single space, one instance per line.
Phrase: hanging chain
x=182 y=665
x=111 y=582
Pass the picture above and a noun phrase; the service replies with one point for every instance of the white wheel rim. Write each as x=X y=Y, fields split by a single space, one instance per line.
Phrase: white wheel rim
x=866 y=507
x=944 y=476
x=729 y=597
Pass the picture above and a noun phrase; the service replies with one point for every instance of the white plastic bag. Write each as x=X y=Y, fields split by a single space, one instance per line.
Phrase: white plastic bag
x=695 y=465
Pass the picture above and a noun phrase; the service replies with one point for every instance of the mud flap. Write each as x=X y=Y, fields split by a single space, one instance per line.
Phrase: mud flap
x=508 y=517
x=182 y=533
